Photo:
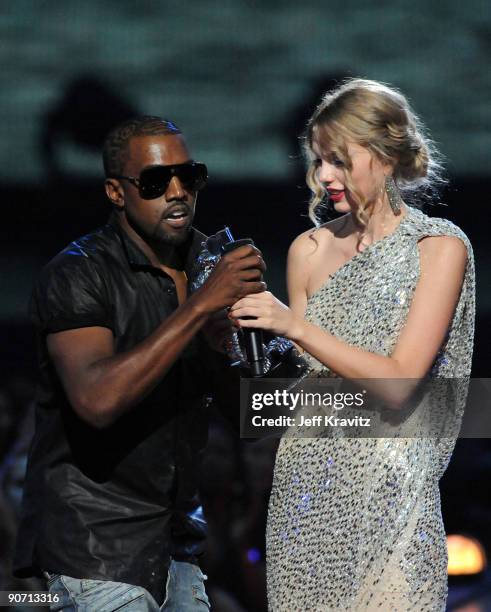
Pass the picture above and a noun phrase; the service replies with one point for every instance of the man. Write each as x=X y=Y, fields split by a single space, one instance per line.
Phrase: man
x=111 y=489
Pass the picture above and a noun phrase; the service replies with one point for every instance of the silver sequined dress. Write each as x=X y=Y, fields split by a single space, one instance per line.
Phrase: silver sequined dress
x=355 y=524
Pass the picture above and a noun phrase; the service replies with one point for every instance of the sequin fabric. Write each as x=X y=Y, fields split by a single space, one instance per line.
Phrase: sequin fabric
x=355 y=524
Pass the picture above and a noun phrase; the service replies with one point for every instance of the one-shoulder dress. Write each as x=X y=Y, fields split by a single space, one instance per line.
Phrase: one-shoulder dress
x=355 y=523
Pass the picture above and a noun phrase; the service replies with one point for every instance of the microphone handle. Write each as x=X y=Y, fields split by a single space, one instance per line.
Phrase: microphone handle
x=253 y=341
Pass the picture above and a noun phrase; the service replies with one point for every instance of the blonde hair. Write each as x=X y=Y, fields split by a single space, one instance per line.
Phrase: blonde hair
x=378 y=117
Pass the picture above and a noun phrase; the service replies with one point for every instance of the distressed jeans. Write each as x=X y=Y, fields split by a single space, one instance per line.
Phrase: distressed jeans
x=185 y=592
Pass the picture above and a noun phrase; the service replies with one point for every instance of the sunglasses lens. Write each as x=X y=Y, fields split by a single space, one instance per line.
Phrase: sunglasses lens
x=193 y=175
x=201 y=176
x=155 y=181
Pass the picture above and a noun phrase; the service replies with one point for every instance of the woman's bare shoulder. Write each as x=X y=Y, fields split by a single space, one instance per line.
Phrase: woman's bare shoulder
x=310 y=241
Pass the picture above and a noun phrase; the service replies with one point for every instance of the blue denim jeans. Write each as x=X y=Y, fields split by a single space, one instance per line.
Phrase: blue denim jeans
x=185 y=592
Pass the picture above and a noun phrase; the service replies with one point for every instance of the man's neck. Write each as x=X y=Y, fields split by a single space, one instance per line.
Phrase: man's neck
x=160 y=255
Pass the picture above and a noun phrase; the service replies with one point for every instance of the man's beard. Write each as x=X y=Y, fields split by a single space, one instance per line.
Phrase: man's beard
x=160 y=235
x=170 y=238
x=165 y=234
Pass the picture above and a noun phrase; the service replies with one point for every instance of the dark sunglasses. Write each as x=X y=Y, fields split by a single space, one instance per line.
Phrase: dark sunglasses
x=154 y=181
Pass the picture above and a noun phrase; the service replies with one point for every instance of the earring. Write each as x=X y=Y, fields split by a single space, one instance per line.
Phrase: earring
x=393 y=194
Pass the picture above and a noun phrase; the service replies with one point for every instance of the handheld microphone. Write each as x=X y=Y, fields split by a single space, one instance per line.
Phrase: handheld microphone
x=253 y=338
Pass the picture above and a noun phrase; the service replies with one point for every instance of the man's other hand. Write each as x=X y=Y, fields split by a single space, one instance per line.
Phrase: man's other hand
x=218 y=330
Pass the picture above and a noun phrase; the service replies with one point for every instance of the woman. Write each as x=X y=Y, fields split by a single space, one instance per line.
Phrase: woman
x=382 y=292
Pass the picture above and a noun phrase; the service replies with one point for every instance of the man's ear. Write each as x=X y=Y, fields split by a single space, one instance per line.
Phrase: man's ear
x=114 y=192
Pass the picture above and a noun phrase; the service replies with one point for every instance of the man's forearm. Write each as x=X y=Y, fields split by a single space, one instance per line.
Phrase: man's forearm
x=114 y=384
x=102 y=385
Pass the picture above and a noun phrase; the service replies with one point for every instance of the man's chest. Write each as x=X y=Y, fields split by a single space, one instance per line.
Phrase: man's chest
x=140 y=302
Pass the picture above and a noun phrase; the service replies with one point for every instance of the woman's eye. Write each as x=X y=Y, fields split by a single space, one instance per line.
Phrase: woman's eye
x=337 y=162
x=317 y=162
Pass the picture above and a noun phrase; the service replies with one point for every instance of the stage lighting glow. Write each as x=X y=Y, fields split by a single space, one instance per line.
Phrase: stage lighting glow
x=466 y=556
x=253 y=555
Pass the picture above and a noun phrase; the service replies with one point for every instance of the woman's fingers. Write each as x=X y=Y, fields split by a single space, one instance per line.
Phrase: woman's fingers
x=253 y=299
x=260 y=310
x=246 y=311
x=254 y=323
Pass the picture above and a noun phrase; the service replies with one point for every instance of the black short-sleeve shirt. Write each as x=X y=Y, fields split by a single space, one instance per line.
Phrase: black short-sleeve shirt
x=114 y=504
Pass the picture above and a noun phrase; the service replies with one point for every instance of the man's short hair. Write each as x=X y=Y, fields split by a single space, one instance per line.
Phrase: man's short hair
x=115 y=151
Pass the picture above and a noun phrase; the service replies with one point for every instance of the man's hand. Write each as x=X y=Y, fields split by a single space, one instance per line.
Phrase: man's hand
x=236 y=275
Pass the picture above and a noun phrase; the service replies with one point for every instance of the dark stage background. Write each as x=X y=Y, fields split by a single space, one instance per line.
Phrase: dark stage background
x=240 y=78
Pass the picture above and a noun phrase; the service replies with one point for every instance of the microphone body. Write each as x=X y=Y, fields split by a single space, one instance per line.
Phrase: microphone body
x=253 y=338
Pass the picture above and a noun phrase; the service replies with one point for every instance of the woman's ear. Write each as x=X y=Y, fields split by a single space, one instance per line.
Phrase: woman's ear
x=388 y=166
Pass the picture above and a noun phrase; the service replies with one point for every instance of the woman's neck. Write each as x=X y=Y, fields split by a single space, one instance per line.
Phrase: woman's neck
x=381 y=223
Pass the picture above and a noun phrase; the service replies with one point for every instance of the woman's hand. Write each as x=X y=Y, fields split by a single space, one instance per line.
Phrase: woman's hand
x=268 y=312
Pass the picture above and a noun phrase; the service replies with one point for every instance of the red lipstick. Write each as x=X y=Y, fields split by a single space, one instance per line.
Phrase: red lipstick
x=336 y=196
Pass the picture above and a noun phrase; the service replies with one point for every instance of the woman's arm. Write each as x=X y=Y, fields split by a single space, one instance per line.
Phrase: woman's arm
x=442 y=267
x=298 y=269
